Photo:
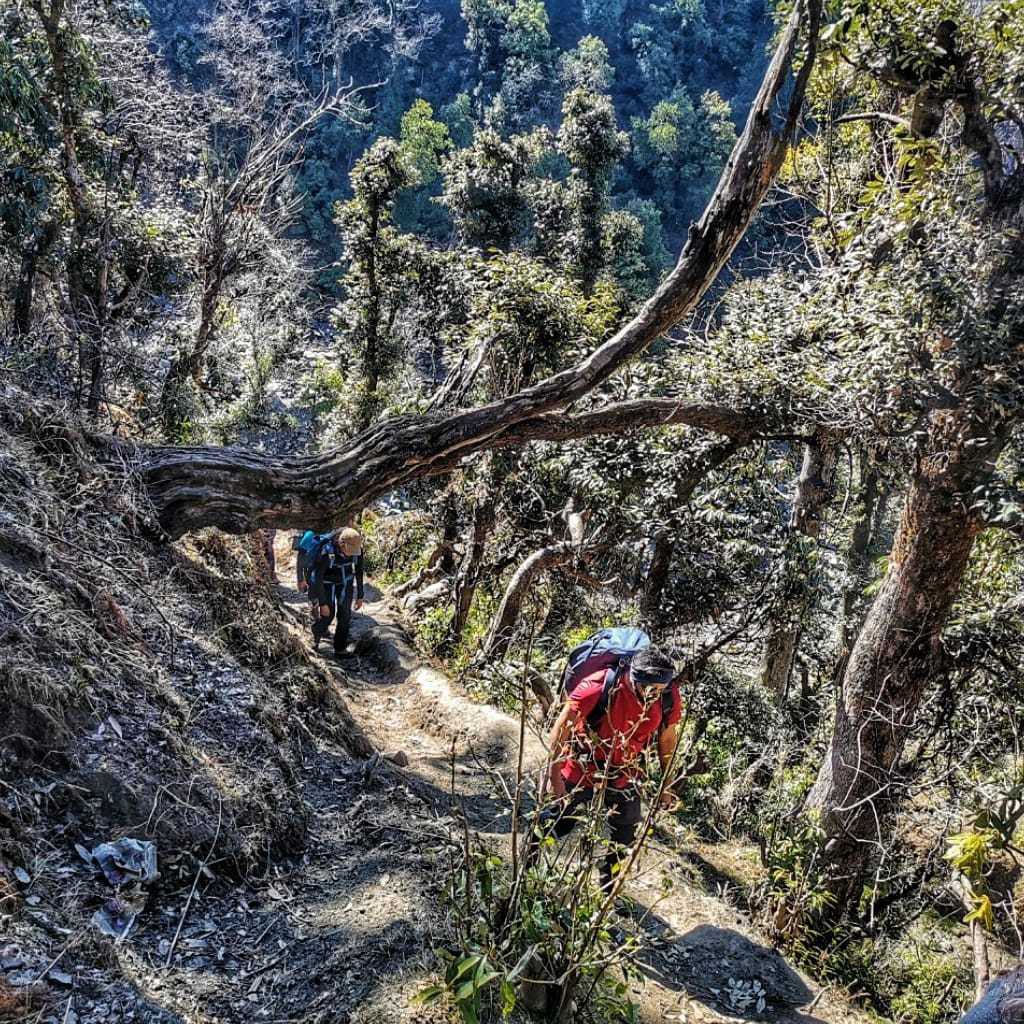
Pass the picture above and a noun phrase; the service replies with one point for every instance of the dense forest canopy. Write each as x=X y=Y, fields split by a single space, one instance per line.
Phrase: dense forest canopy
x=278 y=261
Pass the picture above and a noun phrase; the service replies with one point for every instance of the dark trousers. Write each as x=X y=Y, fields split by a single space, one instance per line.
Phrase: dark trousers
x=338 y=598
x=558 y=819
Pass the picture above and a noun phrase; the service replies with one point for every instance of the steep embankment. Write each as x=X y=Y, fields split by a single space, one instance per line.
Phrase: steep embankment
x=169 y=694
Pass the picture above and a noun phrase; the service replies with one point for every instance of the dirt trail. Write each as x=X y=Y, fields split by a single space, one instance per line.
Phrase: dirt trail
x=699 y=943
x=344 y=935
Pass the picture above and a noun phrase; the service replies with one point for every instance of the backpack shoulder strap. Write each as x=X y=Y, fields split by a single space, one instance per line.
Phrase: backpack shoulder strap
x=611 y=681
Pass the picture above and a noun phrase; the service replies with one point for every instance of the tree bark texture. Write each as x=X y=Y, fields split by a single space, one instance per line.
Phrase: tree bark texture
x=816 y=483
x=468 y=577
x=43 y=239
x=814 y=489
x=241 y=491
x=777 y=660
x=899 y=649
x=664 y=538
x=499 y=637
x=871 y=501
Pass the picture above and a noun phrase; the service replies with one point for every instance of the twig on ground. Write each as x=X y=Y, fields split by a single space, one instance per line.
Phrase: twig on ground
x=195 y=883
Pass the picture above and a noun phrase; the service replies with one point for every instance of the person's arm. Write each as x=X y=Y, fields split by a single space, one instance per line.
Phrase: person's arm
x=359 y=580
x=300 y=569
x=558 y=746
x=668 y=740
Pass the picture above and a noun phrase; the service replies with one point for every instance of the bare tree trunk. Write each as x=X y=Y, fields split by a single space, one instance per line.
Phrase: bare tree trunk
x=658 y=572
x=472 y=562
x=43 y=239
x=499 y=637
x=777 y=660
x=238 y=492
x=664 y=539
x=899 y=649
x=814 y=489
x=871 y=500
x=816 y=483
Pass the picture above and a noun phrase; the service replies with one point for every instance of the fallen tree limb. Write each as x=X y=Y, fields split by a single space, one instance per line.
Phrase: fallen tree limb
x=241 y=491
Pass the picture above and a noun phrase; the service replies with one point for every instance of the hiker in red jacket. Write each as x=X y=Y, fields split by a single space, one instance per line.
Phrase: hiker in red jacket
x=606 y=756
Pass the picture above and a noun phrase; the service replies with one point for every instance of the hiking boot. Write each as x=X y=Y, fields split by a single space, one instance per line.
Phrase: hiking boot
x=348 y=651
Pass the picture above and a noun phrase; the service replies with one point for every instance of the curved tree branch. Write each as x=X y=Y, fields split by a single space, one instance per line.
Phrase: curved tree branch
x=240 y=491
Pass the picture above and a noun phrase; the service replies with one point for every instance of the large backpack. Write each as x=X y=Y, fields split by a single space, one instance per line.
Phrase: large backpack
x=612 y=650
x=340 y=569
x=306 y=542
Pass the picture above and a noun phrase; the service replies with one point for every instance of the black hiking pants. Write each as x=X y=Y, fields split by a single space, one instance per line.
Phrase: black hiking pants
x=338 y=598
x=558 y=819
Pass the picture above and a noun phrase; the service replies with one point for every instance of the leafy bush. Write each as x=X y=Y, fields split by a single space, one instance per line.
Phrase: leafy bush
x=531 y=937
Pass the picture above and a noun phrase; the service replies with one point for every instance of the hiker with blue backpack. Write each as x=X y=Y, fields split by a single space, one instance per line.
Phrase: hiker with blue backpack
x=621 y=697
x=336 y=585
x=305 y=545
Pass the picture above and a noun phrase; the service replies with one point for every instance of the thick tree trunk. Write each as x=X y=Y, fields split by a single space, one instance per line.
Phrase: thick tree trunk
x=499 y=637
x=899 y=649
x=777 y=660
x=816 y=483
x=239 y=492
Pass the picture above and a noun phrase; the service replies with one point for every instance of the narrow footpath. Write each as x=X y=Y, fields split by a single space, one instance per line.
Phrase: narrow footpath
x=345 y=934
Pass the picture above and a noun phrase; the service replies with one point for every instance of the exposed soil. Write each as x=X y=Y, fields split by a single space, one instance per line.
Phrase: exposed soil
x=339 y=924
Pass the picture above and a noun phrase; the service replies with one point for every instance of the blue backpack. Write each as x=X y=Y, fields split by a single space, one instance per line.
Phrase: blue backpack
x=341 y=568
x=307 y=543
x=612 y=650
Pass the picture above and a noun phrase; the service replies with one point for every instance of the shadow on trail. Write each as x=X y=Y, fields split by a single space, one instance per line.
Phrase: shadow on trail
x=709 y=961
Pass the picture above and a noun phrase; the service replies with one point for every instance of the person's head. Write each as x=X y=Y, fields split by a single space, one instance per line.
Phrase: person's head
x=349 y=540
x=650 y=671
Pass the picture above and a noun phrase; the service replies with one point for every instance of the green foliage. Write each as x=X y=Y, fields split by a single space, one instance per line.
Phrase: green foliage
x=483 y=189
x=589 y=136
x=377 y=261
x=458 y=116
x=424 y=141
x=587 y=67
x=529 y=320
x=529 y=930
x=930 y=985
x=433 y=630
x=797 y=890
x=679 y=147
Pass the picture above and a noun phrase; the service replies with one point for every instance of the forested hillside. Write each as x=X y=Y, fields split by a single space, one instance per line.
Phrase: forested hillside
x=695 y=317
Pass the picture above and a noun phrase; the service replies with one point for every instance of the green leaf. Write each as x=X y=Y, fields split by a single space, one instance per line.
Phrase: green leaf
x=508 y=997
x=428 y=995
x=464 y=966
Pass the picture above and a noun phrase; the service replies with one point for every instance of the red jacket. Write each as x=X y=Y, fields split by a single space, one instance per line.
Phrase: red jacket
x=623 y=732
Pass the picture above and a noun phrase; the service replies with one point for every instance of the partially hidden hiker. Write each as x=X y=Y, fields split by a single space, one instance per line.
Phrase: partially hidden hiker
x=305 y=545
x=620 y=697
x=335 y=578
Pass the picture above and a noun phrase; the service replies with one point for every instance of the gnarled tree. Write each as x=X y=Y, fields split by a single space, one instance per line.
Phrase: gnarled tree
x=240 y=491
